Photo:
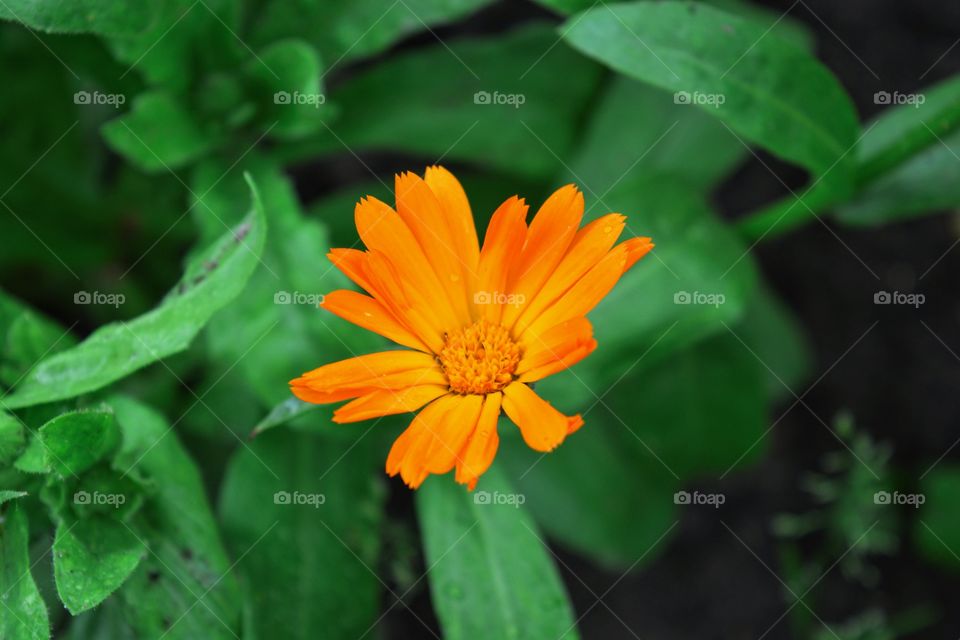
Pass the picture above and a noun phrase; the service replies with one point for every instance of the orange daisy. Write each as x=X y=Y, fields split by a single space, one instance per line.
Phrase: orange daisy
x=480 y=324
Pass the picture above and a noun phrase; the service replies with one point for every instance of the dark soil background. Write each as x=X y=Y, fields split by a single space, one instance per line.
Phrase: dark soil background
x=900 y=383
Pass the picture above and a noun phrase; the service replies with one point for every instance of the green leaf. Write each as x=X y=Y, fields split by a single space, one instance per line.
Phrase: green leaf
x=7 y=495
x=76 y=441
x=698 y=277
x=502 y=102
x=24 y=615
x=303 y=512
x=288 y=410
x=184 y=588
x=735 y=71
x=186 y=40
x=92 y=558
x=616 y=145
x=81 y=16
x=288 y=79
x=354 y=28
x=904 y=191
x=212 y=280
x=491 y=574
x=776 y=337
x=26 y=336
x=616 y=512
x=274 y=331
x=12 y=439
x=159 y=133
x=34 y=458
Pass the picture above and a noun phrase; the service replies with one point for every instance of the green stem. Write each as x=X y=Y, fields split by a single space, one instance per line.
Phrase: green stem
x=792 y=211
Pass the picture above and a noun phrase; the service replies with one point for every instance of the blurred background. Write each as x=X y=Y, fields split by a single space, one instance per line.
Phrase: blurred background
x=789 y=410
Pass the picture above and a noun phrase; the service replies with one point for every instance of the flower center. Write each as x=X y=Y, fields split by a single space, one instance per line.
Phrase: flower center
x=480 y=358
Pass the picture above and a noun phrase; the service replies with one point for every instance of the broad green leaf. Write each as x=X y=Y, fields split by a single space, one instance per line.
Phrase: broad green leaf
x=288 y=81
x=926 y=183
x=212 y=280
x=92 y=558
x=12 y=439
x=76 y=441
x=937 y=529
x=510 y=102
x=184 y=588
x=766 y=89
x=303 y=511
x=776 y=337
x=273 y=331
x=616 y=145
x=701 y=411
x=491 y=574
x=81 y=16
x=160 y=133
x=906 y=191
x=698 y=277
x=33 y=459
x=24 y=615
x=614 y=512
x=355 y=28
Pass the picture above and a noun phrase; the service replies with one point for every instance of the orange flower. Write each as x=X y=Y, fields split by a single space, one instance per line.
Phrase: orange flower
x=481 y=324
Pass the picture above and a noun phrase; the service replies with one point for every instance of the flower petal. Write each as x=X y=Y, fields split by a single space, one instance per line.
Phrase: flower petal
x=582 y=297
x=548 y=238
x=388 y=402
x=501 y=248
x=456 y=209
x=409 y=454
x=558 y=348
x=589 y=246
x=542 y=426
x=370 y=314
x=381 y=229
x=482 y=446
x=357 y=376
